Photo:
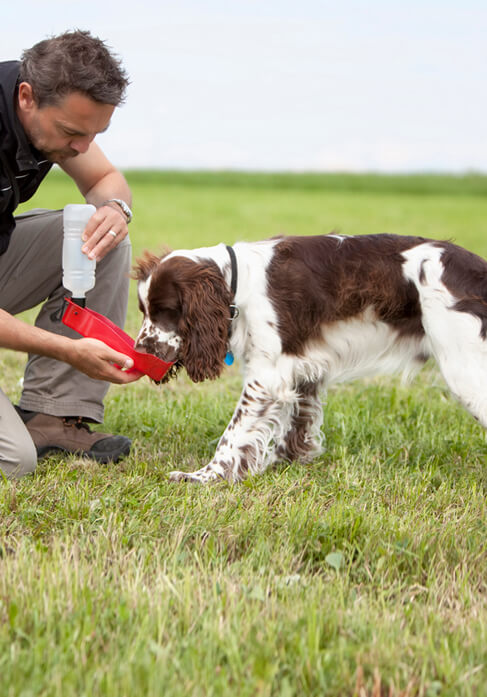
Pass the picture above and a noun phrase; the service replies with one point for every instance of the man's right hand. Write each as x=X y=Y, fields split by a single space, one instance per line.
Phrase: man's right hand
x=99 y=361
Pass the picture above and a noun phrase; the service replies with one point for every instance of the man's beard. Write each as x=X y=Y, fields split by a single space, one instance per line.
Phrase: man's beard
x=59 y=156
x=38 y=140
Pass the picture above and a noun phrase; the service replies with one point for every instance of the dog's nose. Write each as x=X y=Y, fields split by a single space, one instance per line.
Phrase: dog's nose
x=139 y=345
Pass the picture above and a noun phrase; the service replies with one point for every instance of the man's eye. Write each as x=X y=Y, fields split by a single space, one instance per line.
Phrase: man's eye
x=67 y=132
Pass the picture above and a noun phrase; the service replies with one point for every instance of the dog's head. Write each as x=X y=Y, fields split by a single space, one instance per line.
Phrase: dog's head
x=185 y=303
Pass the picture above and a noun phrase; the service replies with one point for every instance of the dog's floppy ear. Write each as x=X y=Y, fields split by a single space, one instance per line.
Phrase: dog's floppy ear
x=204 y=322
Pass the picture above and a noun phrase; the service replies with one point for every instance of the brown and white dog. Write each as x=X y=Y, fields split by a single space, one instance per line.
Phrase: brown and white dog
x=305 y=312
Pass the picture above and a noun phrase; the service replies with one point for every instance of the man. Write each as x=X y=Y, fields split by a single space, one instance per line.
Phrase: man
x=53 y=103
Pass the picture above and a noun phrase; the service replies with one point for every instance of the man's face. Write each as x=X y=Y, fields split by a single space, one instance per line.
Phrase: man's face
x=64 y=130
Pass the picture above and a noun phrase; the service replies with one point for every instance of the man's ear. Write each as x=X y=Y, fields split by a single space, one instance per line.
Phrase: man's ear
x=26 y=97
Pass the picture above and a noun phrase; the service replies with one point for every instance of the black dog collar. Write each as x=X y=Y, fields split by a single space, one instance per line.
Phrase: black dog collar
x=233 y=282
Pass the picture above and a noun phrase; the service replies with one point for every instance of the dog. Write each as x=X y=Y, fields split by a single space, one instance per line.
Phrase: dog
x=303 y=313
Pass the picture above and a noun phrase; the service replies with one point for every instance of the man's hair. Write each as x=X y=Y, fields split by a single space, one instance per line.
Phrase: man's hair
x=74 y=61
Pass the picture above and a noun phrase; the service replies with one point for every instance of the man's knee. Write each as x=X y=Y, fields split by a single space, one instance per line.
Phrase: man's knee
x=118 y=260
x=20 y=461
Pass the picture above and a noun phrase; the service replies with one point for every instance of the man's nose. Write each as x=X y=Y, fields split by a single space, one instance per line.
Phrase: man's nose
x=81 y=144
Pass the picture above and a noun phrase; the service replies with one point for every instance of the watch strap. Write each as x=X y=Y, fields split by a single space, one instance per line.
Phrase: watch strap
x=124 y=207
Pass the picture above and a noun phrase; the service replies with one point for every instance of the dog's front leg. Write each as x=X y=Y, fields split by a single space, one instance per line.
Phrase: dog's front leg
x=247 y=444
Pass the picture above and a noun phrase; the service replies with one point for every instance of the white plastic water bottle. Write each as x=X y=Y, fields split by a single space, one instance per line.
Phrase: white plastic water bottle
x=78 y=269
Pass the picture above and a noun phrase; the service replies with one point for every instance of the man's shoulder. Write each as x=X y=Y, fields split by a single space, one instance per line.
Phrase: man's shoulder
x=9 y=74
x=9 y=69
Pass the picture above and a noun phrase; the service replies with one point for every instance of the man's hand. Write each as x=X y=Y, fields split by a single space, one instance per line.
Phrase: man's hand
x=106 y=228
x=99 y=361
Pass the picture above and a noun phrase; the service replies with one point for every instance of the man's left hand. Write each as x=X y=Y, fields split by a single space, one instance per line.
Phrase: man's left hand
x=106 y=228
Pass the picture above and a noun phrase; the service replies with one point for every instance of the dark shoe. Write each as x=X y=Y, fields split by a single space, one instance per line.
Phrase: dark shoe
x=73 y=435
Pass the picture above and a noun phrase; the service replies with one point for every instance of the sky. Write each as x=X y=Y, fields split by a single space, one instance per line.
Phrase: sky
x=280 y=85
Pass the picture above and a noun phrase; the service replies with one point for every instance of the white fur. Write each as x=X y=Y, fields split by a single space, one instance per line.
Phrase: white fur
x=454 y=336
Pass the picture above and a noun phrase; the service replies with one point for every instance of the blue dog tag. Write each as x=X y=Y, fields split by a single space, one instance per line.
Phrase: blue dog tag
x=229 y=358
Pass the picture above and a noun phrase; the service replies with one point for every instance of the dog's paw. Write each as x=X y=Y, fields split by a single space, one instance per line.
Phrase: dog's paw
x=202 y=476
x=182 y=477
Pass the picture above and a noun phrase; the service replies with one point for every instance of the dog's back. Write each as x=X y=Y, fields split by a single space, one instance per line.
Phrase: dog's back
x=431 y=295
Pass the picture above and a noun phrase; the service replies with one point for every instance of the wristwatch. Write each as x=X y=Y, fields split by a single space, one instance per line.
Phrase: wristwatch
x=123 y=206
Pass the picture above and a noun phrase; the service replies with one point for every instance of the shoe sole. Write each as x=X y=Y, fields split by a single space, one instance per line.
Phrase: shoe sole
x=102 y=458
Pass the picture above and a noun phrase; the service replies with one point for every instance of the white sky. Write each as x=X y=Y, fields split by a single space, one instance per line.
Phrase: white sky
x=383 y=85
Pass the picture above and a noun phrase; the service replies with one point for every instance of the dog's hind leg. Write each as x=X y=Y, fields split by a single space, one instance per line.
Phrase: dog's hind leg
x=454 y=330
x=461 y=354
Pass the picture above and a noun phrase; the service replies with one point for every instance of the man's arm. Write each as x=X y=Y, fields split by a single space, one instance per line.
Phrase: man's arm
x=98 y=180
x=92 y=357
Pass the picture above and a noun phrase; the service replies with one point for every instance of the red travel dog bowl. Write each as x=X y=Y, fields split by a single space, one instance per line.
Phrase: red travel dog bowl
x=91 y=324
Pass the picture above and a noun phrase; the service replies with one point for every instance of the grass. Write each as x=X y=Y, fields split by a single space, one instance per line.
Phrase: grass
x=363 y=573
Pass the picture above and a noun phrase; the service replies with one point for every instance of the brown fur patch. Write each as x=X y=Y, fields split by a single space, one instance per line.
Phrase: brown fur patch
x=314 y=281
x=465 y=276
x=144 y=266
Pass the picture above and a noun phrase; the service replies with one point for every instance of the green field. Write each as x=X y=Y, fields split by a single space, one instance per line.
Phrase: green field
x=361 y=574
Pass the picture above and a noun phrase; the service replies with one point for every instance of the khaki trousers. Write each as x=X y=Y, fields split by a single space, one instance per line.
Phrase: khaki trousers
x=30 y=274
